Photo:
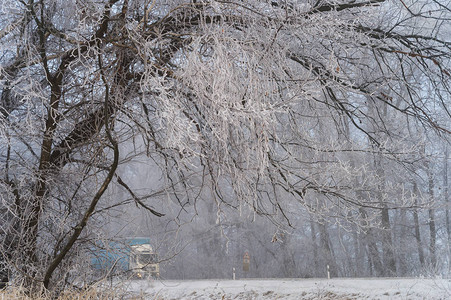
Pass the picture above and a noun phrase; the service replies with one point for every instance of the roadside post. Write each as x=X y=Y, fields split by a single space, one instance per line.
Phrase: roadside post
x=246 y=261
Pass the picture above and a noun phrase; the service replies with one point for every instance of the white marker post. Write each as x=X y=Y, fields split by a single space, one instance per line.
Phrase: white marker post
x=234 y=273
x=328 y=272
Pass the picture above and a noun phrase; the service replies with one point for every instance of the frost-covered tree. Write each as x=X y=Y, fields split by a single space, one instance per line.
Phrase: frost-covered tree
x=245 y=102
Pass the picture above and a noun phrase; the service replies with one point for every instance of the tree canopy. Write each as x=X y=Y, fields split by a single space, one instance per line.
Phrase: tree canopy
x=327 y=106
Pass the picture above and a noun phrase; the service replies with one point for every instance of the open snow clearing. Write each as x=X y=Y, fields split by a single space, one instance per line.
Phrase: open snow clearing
x=349 y=288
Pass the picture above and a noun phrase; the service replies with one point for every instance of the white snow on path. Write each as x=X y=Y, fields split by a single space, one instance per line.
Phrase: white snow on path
x=339 y=288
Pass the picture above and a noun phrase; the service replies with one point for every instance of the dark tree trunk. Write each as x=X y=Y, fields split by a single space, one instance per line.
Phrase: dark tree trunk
x=402 y=238
x=327 y=250
x=374 y=259
x=417 y=227
x=314 y=247
x=387 y=245
x=359 y=254
x=446 y=201
x=374 y=255
x=431 y=214
x=387 y=242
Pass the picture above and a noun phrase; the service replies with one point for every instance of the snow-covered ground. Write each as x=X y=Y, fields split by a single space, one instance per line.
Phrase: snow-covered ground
x=378 y=288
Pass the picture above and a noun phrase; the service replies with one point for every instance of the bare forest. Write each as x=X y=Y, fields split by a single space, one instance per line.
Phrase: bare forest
x=312 y=134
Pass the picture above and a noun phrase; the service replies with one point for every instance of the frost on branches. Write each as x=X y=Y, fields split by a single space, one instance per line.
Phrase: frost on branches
x=324 y=106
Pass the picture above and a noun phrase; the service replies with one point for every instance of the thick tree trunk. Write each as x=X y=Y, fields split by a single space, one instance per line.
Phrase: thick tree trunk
x=374 y=255
x=402 y=238
x=288 y=261
x=431 y=214
x=329 y=256
x=389 y=256
x=447 y=203
x=346 y=263
x=359 y=254
x=387 y=242
x=374 y=260
x=370 y=262
x=432 y=238
x=314 y=247
x=387 y=245
x=417 y=226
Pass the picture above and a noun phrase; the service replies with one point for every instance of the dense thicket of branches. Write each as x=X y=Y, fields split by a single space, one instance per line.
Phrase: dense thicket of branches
x=332 y=107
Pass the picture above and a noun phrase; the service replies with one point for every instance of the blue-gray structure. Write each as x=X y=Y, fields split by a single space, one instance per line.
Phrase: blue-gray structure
x=114 y=257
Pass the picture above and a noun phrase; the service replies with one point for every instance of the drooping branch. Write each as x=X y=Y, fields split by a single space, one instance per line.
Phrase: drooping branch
x=137 y=199
x=325 y=7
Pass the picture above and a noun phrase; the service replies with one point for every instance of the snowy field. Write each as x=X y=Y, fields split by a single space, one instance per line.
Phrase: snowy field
x=380 y=288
